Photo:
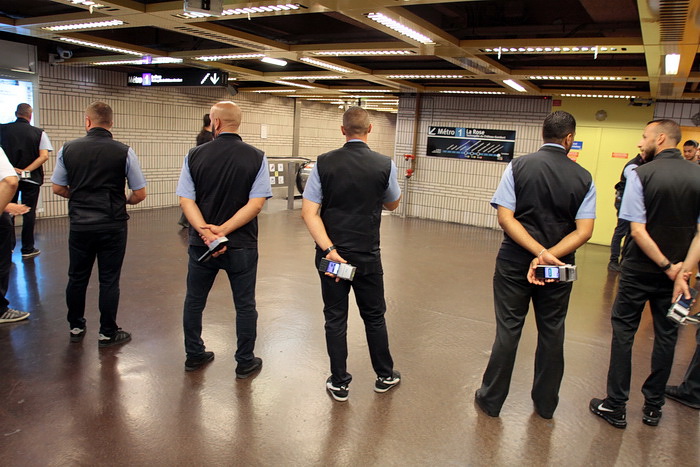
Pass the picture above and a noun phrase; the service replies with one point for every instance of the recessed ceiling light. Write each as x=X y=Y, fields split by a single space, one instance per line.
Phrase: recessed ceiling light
x=100 y=46
x=326 y=65
x=514 y=85
x=400 y=28
x=274 y=61
x=210 y=58
x=77 y=26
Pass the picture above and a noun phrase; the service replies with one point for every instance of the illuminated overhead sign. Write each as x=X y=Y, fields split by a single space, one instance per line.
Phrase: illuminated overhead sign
x=181 y=77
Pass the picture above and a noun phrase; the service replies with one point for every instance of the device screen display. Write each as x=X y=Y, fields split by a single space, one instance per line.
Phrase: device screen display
x=551 y=273
x=686 y=302
x=332 y=267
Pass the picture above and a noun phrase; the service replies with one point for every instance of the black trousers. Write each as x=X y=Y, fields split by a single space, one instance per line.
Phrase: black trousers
x=690 y=387
x=241 y=266
x=30 y=198
x=368 y=285
x=622 y=229
x=512 y=295
x=6 y=237
x=108 y=247
x=635 y=289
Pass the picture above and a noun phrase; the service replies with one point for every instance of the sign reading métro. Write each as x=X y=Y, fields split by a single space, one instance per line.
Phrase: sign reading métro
x=471 y=143
x=179 y=77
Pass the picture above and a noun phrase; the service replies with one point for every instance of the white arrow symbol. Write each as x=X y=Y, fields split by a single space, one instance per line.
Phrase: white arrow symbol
x=214 y=78
x=431 y=131
x=204 y=79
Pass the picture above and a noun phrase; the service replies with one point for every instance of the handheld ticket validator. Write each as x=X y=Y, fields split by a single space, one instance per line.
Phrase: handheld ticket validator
x=342 y=270
x=680 y=309
x=566 y=273
x=214 y=246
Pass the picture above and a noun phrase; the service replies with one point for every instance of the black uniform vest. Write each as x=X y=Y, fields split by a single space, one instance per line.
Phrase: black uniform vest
x=549 y=190
x=353 y=180
x=96 y=168
x=20 y=141
x=223 y=172
x=671 y=187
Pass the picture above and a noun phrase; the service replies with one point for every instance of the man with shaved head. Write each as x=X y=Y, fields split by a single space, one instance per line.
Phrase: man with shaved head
x=91 y=172
x=662 y=203
x=27 y=149
x=342 y=208
x=223 y=186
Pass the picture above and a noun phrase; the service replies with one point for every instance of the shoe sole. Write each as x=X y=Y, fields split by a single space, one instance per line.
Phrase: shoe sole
x=13 y=320
x=650 y=421
x=611 y=421
x=383 y=390
x=683 y=401
x=249 y=373
x=103 y=344
x=30 y=256
x=200 y=364
x=337 y=398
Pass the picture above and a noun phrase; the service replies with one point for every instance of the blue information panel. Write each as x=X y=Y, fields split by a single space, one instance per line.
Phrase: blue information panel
x=471 y=143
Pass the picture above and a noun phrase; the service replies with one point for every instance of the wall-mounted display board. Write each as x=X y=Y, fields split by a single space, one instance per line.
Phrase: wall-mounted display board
x=471 y=143
x=179 y=77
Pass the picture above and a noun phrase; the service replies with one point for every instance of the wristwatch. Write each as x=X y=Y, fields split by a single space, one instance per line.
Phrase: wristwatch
x=329 y=249
x=666 y=267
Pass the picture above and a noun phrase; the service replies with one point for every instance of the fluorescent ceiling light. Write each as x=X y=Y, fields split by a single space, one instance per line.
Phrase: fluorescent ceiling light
x=211 y=58
x=143 y=61
x=312 y=77
x=472 y=92
x=74 y=27
x=193 y=15
x=400 y=28
x=581 y=78
x=89 y=3
x=366 y=90
x=673 y=61
x=289 y=83
x=260 y=9
x=604 y=96
x=424 y=76
x=548 y=50
x=351 y=53
x=322 y=64
x=100 y=46
x=273 y=61
x=514 y=85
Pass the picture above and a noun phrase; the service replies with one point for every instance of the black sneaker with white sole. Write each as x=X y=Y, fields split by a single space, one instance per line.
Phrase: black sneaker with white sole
x=651 y=414
x=77 y=334
x=119 y=337
x=616 y=416
x=339 y=392
x=384 y=383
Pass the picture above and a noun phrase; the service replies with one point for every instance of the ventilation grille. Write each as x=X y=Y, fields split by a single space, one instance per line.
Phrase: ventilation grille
x=666 y=89
x=672 y=19
x=219 y=37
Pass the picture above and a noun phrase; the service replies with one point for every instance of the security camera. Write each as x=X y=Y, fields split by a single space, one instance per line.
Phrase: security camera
x=64 y=54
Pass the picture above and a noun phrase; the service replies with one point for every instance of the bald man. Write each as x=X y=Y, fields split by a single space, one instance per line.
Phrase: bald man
x=223 y=186
x=91 y=172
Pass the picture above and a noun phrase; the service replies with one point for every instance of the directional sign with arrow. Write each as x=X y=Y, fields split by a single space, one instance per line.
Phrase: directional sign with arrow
x=179 y=77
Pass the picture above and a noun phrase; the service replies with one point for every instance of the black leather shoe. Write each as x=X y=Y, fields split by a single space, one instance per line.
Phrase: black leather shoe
x=193 y=363
x=243 y=372
x=672 y=392
x=482 y=406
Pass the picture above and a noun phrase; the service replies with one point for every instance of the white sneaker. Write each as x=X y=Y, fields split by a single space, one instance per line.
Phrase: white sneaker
x=10 y=316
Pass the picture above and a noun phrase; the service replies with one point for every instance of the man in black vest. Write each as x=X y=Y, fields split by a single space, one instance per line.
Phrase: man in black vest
x=662 y=203
x=342 y=209
x=91 y=173
x=546 y=207
x=223 y=187
x=622 y=229
x=27 y=148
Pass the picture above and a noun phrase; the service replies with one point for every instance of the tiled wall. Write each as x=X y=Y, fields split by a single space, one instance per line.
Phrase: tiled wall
x=459 y=190
x=681 y=112
x=161 y=125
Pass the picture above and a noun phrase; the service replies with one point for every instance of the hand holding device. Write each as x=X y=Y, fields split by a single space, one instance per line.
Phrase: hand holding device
x=565 y=273
x=680 y=308
x=214 y=246
x=341 y=270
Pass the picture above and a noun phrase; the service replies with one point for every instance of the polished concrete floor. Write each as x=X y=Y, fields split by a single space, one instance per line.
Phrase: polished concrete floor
x=71 y=404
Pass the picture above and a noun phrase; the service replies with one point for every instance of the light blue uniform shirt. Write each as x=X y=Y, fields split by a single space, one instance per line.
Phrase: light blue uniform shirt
x=314 y=193
x=134 y=175
x=505 y=194
x=261 y=185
